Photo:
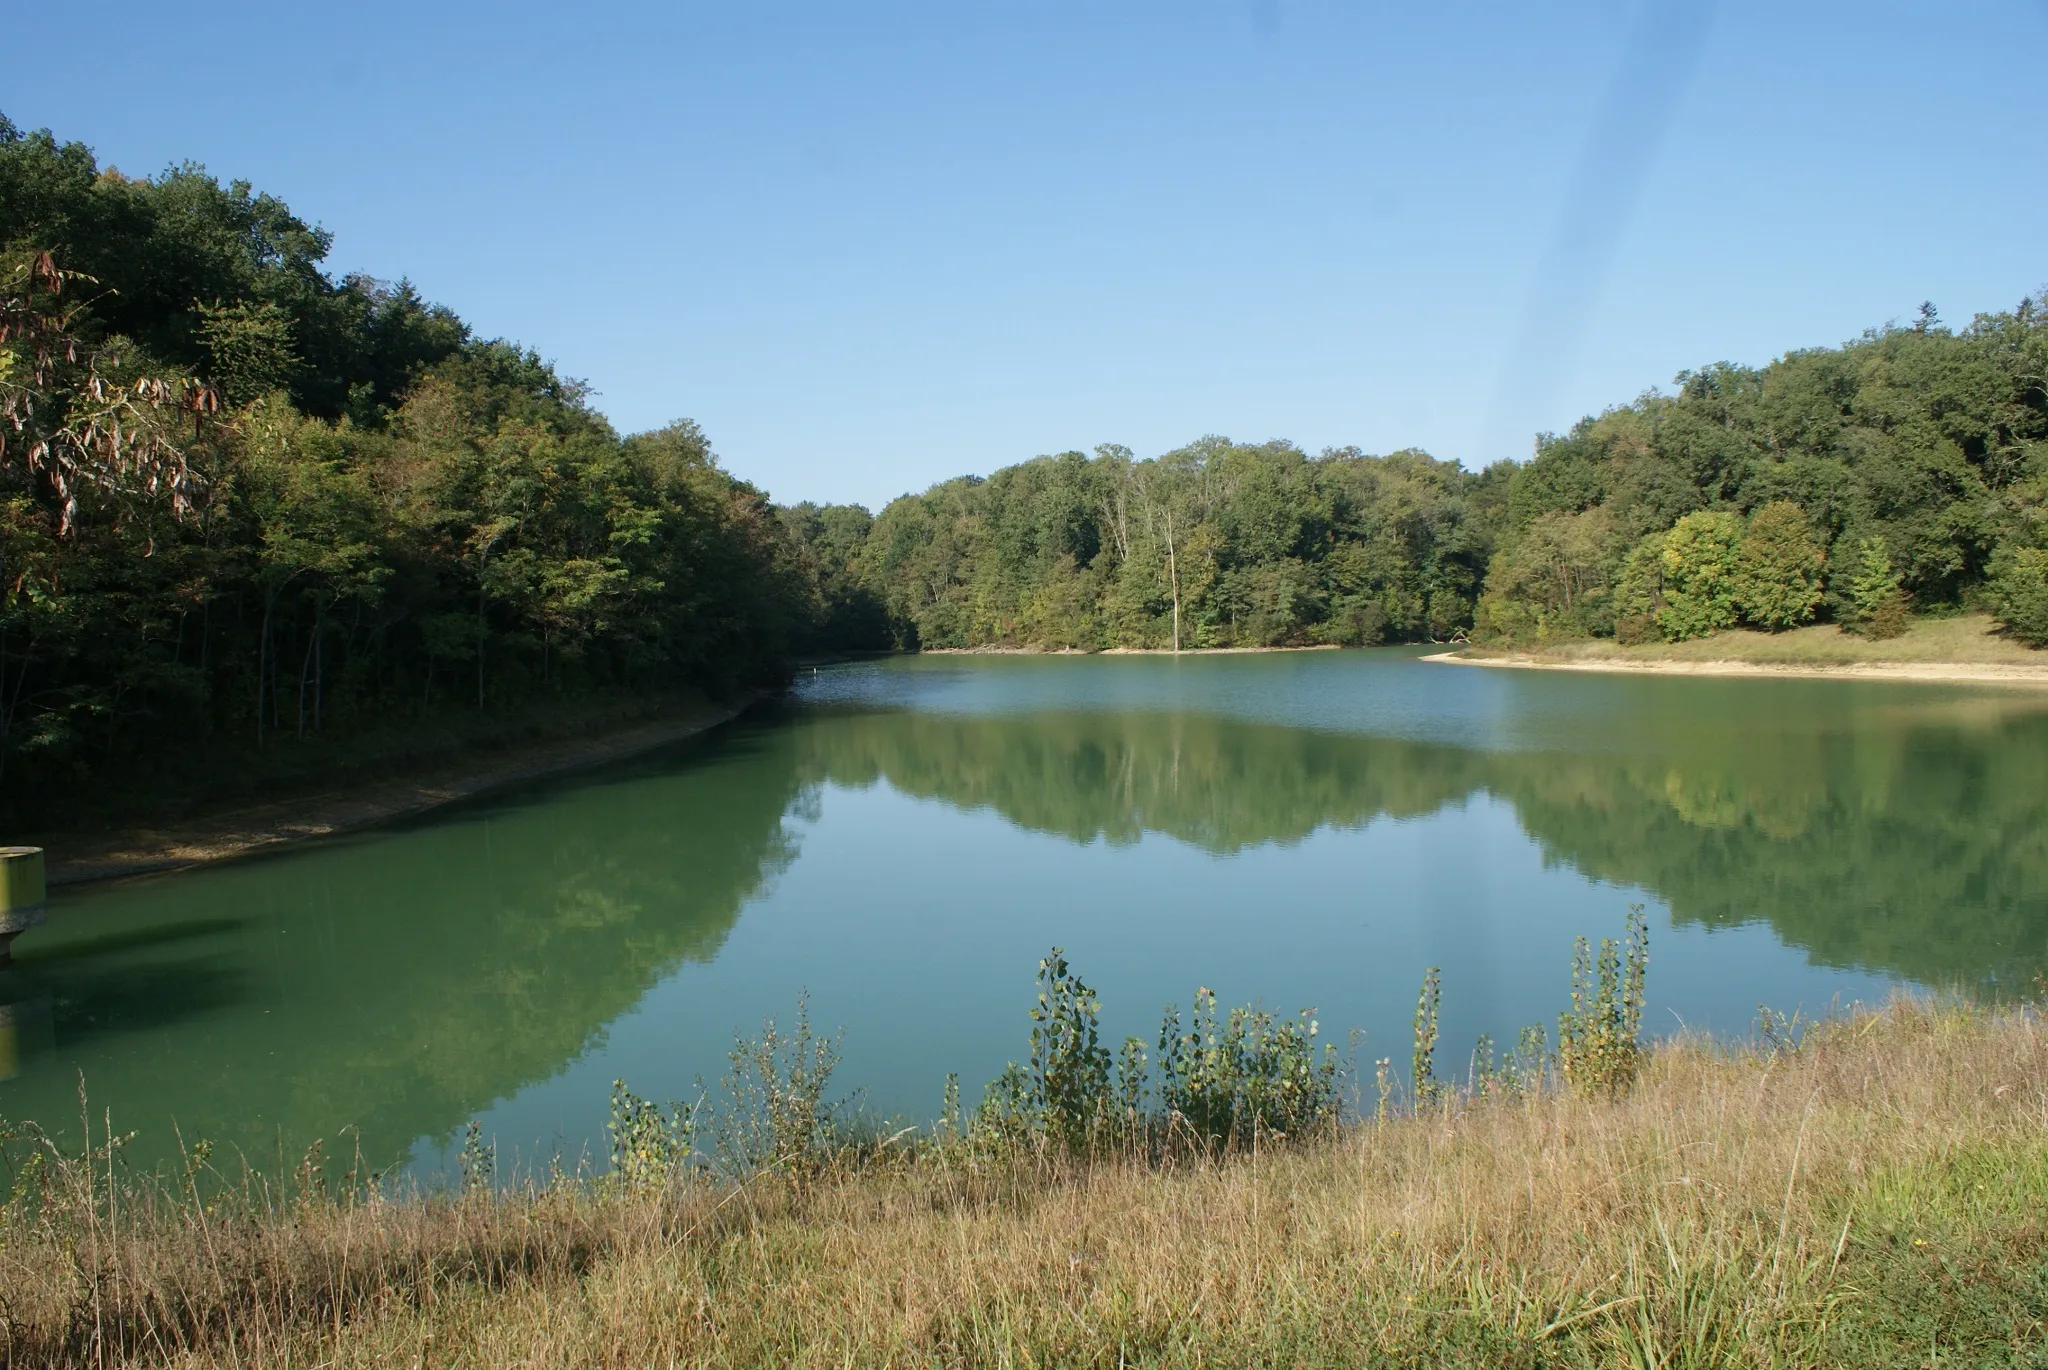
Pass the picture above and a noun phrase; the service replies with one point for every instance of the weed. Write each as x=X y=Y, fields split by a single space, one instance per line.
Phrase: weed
x=1249 y=1074
x=650 y=1148
x=1599 y=1049
x=1428 y=1089
x=776 y=1115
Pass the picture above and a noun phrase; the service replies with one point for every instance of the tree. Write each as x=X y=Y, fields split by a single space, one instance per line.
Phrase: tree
x=1876 y=599
x=1701 y=563
x=75 y=414
x=1779 y=569
x=1639 y=591
x=2019 y=589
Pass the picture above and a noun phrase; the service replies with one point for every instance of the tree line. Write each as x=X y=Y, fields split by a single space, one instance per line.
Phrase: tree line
x=1908 y=468
x=1904 y=471
x=245 y=504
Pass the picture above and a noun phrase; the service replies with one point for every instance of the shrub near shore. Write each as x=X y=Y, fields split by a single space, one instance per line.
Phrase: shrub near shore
x=1870 y=1193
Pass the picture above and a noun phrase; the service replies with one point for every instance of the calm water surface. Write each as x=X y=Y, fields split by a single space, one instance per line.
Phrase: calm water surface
x=904 y=839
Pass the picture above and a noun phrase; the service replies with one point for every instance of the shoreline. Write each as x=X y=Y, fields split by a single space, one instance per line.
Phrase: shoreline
x=1120 y=651
x=246 y=831
x=1922 y=672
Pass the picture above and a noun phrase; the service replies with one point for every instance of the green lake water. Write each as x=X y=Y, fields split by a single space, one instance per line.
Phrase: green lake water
x=904 y=839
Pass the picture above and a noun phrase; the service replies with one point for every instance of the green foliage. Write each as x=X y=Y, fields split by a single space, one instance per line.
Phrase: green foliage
x=1216 y=544
x=2019 y=589
x=650 y=1148
x=1876 y=600
x=1701 y=563
x=1422 y=1065
x=776 y=1116
x=1070 y=1068
x=1554 y=580
x=1249 y=1075
x=476 y=1161
x=1779 y=568
x=249 y=349
x=243 y=503
x=1933 y=439
x=1517 y=1074
x=1639 y=591
x=1599 y=1039
x=1223 y=1081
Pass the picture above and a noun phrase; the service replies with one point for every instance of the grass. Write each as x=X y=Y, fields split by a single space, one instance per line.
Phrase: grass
x=1967 y=639
x=1874 y=1195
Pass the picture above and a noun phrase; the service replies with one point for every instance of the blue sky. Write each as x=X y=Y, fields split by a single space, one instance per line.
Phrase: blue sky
x=872 y=246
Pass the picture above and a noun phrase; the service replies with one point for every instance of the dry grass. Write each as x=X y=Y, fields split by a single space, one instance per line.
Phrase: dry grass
x=1878 y=1196
x=1965 y=640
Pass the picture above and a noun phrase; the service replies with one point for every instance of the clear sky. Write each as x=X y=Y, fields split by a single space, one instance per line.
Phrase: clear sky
x=872 y=245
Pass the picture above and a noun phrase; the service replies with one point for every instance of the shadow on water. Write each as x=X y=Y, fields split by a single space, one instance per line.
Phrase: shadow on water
x=402 y=982
x=90 y=1002
x=138 y=939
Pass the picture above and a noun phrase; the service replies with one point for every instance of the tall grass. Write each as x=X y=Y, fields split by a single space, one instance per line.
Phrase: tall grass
x=1871 y=1192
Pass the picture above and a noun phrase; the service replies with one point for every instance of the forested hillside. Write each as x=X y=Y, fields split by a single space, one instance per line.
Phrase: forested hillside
x=1214 y=545
x=245 y=505
x=1906 y=470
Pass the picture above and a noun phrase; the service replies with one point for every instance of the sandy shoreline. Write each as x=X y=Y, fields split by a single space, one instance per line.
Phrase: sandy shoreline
x=241 y=832
x=1924 y=672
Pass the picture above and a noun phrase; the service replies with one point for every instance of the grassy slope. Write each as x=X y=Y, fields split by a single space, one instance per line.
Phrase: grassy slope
x=1968 y=640
x=1878 y=1197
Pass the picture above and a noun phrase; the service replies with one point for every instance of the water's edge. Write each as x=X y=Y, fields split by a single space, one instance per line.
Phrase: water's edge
x=244 y=832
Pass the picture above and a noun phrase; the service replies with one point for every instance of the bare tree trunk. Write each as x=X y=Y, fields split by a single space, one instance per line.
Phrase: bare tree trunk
x=1173 y=571
x=11 y=709
x=305 y=671
x=262 y=661
x=482 y=563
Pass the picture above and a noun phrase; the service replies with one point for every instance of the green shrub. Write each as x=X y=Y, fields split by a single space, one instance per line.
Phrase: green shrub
x=1599 y=1048
x=1226 y=1080
x=775 y=1114
x=1876 y=601
x=1065 y=1091
x=1639 y=587
x=1251 y=1074
x=2019 y=591
x=1422 y=1064
x=1631 y=629
x=1891 y=618
x=649 y=1147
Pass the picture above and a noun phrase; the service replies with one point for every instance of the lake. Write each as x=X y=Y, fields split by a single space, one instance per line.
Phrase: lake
x=904 y=839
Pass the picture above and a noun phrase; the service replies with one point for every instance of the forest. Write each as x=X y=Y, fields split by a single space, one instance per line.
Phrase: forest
x=1906 y=471
x=250 y=510
x=246 y=507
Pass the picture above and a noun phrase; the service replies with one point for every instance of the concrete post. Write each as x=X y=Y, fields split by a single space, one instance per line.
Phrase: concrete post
x=21 y=895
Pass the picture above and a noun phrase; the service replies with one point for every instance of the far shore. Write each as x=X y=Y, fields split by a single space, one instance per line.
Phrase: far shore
x=1967 y=649
x=1120 y=651
x=245 y=831
x=1926 y=672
